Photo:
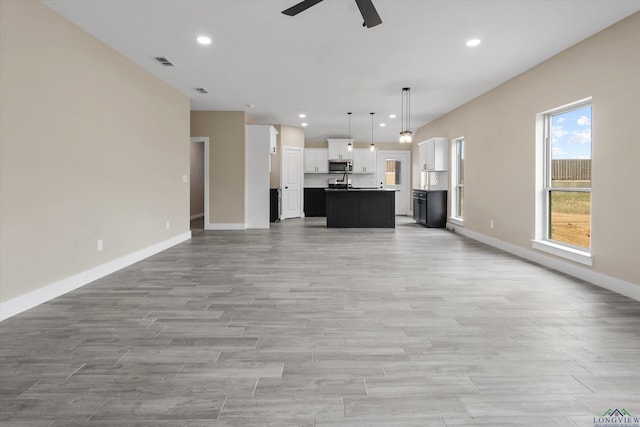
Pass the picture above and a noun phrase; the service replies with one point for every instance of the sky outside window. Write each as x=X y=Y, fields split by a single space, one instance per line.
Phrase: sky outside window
x=571 y=134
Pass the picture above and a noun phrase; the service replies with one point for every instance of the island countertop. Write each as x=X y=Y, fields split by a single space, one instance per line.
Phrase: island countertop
x=360 y=208
x=360 y=189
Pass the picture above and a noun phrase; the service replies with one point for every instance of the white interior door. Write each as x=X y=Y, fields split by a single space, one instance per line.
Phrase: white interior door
x=291 y=182
x=393 y=173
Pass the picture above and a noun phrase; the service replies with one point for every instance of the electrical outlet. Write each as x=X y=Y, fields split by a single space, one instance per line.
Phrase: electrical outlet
x=99 y=245
x=491 y=224
x=168 y=225
x=185 y=178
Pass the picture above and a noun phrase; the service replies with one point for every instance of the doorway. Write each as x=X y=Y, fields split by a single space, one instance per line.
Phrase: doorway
x=199 y=182
x=291 y=182
x=393 y=174
x=196 y=185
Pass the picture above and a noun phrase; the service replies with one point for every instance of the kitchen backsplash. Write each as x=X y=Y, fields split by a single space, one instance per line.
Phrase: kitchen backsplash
x=434 y=180
x=320 y=180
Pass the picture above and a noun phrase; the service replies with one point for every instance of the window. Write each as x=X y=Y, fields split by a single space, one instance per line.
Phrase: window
x=457 y=180
x=565 y=201
x=393 y=172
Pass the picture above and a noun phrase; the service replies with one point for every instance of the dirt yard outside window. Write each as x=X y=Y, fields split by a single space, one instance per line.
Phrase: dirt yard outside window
x=571 y=218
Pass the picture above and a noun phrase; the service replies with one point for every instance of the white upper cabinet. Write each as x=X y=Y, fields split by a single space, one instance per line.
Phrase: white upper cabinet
x=433 y=154
x=338 y=149
x=316 y=160
x=273 y=147
x=364 y=160
x=422 y=156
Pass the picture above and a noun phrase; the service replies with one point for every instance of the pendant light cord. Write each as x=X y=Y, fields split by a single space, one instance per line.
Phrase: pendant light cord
x=409 y=137
x=405 y=134
x=371 y=146
x=403 y=117
x=349 y=144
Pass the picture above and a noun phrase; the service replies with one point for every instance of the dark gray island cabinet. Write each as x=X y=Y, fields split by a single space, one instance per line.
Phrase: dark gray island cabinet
x=430 y=207
x=361 y=208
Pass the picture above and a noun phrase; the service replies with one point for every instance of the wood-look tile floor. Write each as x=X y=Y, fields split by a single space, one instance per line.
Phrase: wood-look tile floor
x=303 y=326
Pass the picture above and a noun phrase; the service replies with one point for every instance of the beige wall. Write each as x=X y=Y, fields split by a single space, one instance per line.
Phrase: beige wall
x=197 y=178
x=226 y=132
x=499 y=131
x=92 y=147
x=289 y=136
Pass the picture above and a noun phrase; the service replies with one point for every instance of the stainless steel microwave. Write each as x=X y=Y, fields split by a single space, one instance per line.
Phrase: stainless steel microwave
x=340 y=166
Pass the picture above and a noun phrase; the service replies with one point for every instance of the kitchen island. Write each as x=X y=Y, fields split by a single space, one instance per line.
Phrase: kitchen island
x=361 y=208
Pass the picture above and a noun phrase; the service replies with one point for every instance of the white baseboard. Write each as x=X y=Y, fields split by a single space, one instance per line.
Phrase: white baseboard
x=34 y=298
x=613 y=284
x=221 y=226
x=200 y=215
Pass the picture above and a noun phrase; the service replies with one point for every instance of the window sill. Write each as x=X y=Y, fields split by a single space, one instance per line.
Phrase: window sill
x=572 y=254
x=456 y=221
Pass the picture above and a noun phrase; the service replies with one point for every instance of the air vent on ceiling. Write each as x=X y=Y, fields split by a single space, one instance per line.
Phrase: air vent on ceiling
x=201 y=90
x=164 y=61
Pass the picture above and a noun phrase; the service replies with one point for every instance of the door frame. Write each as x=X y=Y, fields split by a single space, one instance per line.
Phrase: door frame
x=301 y=177
x=407 y=182
x=205 y=140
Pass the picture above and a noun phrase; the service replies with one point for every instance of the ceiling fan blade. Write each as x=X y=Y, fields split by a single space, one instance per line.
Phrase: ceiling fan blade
x=369 y=13
x=300 y=7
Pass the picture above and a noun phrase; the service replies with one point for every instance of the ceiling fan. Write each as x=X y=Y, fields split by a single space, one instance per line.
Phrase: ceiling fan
x=368 y=11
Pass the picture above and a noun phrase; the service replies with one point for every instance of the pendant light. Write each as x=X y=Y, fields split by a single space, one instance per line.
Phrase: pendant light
x=372 y=147
x=349 y=145
x=405 y=134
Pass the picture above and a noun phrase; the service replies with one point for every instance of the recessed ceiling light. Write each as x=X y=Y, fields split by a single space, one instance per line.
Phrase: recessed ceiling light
x=304 y=124
x=302 y=115
x=204 y=40
x=382 y=125
x=392 y=116
x=473 y=42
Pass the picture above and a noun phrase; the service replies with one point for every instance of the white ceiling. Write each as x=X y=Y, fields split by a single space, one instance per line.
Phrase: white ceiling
x=324 y=63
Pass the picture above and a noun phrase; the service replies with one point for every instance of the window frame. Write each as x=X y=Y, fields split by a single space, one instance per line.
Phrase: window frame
x=544 y=190
x=457 y=217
